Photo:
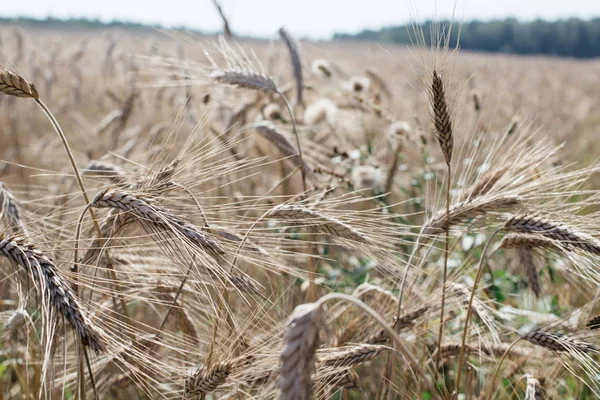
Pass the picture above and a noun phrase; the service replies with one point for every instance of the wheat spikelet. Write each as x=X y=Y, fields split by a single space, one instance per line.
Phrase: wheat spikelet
x=594 y=322
x=148 y=212
x=557 y=342
x=246 y=80
x=368 y=289
x=441 y=117
x=534 y=389
x=378 y=80
x=292 y=47
x=275 y=137
x=13 y=84
x=495 y=350
x=517 y=240
x=525 y=255
x=406 y=320
x=567 y=236
x=114 y=222
x=319 y=222
x=347 y=332
x=347 y=380
x=298 y=354
x=465 y=210
x=104 y=169
x=353 y=356
x=206 y=380
x=10 y=210
x=485 y=183
x=478 y=307
x=47 y=278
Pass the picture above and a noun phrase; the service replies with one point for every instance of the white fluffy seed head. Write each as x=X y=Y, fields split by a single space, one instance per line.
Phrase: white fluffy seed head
x=367 y=177
x=358 y=84
x=319 y=111
x=396 y=130
x=272 y=111
x=321 y=67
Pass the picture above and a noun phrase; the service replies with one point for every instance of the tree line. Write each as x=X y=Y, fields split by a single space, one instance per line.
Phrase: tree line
x=567 y=38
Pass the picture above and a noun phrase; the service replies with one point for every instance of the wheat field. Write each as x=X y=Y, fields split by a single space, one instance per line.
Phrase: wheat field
x=197 y=217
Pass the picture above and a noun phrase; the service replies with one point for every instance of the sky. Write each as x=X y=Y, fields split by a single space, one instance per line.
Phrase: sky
x=317 y=19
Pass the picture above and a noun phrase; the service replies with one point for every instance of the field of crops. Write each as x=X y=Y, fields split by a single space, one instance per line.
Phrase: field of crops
x=200 y=217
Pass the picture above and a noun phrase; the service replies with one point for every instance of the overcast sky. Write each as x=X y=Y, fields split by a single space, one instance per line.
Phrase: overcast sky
x=314 y=18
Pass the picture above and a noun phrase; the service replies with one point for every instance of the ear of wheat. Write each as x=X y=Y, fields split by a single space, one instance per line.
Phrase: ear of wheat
x=14 y=84
x=441 y=117
x=319 y=222
x=10 y=210
x=298 y=355
x=526 y=260
x=146 y=211
x=567 y=236
x=277 y=138
x=292 y=47
x=557 y=342
x=352 y=356
x=206 y=380
x=47 y=278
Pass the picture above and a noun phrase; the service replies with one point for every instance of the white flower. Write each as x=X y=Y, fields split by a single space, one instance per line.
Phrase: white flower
x=321 y=67
x=367 y=177
x=323 y=109
x=272 y=111
x=358 y=84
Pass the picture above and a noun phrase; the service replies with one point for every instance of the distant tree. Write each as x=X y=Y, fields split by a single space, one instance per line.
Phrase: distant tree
x=568 y=38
